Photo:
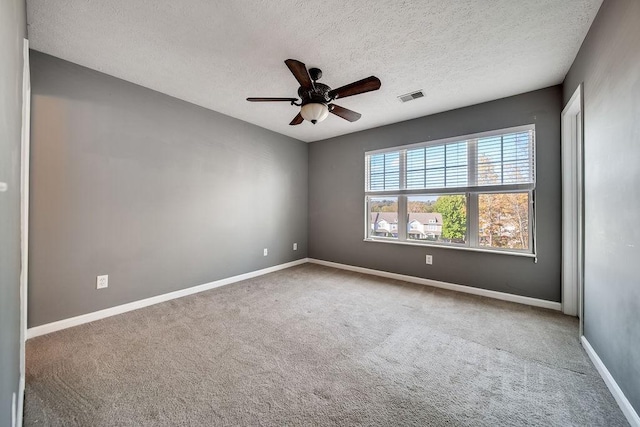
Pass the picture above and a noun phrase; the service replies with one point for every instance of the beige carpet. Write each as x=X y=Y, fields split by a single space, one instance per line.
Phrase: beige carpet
x=317 y=346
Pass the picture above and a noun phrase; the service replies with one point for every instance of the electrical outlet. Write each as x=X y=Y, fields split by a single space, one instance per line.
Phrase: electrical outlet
x=429 y=259
x=266 y=252
x=102 y=282
x=295 y=246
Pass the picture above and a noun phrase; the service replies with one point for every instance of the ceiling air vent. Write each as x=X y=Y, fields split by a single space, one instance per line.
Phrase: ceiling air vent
x=411 y=96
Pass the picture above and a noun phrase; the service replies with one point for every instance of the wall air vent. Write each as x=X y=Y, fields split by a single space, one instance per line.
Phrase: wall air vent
x=411 y=96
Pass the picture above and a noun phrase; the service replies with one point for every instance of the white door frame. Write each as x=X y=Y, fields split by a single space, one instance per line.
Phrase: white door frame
x=24 y=220
x=573 y=207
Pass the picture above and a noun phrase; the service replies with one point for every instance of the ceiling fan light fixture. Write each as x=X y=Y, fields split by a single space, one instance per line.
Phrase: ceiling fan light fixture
x=314 y=112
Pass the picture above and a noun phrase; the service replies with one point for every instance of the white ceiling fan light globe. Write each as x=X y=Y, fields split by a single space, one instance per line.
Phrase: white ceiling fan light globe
x=314 y=112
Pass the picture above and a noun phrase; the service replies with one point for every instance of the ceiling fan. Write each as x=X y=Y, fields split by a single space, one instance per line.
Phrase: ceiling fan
x=316 y=98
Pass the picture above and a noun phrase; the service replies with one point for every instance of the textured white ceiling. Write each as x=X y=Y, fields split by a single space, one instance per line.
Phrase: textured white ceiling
x=215 y=53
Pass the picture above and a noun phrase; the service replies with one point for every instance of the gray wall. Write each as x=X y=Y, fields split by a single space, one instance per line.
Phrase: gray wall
x=155 y=192
x=12 y=33
x=336 y=199
x=609 y=65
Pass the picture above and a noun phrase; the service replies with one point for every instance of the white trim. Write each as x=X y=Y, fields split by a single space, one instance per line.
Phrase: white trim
x=444 y=285
x=459 y=247
x=24 y=219
x=108 y=312
x=571 y=151
x=471 y=191
x=20 y=409
x=621 y=399
x=14 y=410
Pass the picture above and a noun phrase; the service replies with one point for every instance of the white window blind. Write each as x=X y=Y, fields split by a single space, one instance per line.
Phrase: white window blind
x=383 y=171
x=506 y=159
x=500 y=161
x=437 y=166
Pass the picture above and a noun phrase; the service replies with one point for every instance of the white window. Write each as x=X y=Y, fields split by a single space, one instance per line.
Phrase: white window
x=475 y=191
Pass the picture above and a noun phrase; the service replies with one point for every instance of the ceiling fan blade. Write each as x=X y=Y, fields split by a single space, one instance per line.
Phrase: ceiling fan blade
x=297 y=120
x=271 y=99
x=299 y=71
x=355 y=88
x=345 y=113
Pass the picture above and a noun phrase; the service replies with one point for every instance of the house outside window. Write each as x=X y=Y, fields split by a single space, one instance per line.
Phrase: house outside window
x=470 y=192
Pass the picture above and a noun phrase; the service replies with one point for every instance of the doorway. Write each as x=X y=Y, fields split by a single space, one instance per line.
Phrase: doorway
x=573 y=207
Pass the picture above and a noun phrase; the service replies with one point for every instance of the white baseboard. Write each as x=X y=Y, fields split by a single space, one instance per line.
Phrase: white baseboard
x=444 y=285
x=20 y=411
x=14 y=410
x=101 y=314
x=623 y=402
x=108 y=312
x=621 y=399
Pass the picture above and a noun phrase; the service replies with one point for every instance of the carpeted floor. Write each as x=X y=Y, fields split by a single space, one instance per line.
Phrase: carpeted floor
x=316 y=346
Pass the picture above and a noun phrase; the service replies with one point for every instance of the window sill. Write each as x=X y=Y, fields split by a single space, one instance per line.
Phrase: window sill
x=459 y=248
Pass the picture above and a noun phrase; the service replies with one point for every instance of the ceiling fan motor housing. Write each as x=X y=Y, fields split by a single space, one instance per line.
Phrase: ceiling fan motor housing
x=319 y=93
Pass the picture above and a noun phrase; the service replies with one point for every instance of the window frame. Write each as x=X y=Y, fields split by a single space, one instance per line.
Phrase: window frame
x=472 y=193
x=368 y=223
